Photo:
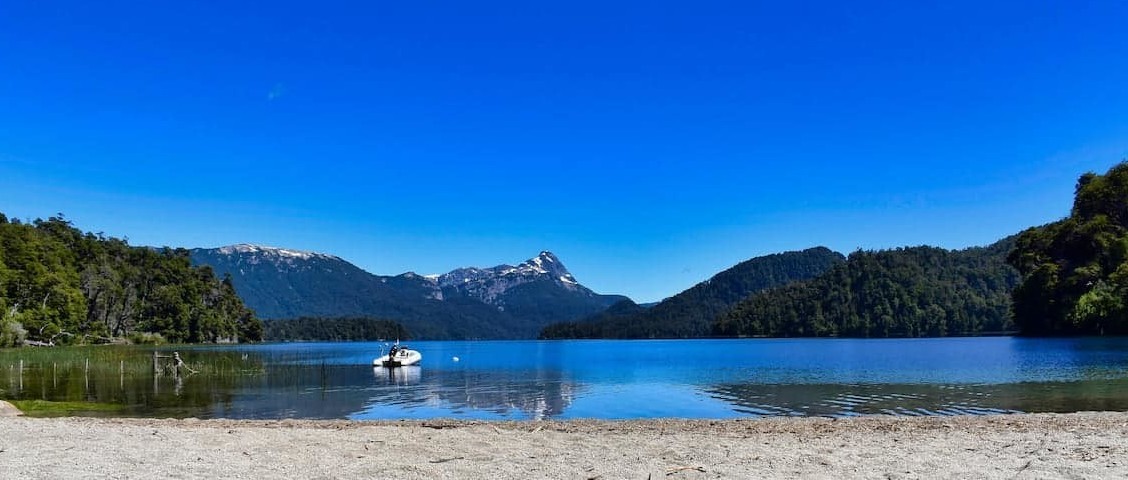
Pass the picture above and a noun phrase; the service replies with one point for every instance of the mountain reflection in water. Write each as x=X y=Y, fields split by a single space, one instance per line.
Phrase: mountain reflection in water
x=833 y=400
x=507 y=394
x=596 y=379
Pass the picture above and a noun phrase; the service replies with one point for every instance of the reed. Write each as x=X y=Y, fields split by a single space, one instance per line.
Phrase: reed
x=120 y=380
x=128 y=361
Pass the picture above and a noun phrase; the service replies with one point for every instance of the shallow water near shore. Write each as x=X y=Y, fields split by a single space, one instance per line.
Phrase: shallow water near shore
x=603 y=379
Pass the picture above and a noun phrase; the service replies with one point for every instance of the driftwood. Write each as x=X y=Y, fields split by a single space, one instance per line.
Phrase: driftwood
x=673 y=470
x=444 y=460
x=175 y=364
x=109 y=340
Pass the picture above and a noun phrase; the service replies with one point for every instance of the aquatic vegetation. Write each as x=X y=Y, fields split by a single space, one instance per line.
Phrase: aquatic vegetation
x=46 y=408
x=129 y=360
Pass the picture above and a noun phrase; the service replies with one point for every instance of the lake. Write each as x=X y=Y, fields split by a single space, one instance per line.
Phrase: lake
x=605 y=379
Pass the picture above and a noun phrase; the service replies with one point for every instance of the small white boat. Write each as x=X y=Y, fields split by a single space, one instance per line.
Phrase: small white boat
x=398 y=356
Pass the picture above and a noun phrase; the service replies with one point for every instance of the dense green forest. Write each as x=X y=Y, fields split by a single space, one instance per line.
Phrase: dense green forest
x=1075 y=271
x=595 y=326
x=341 y=329
x=690 y=314
x=907 y=292
x=59 y=285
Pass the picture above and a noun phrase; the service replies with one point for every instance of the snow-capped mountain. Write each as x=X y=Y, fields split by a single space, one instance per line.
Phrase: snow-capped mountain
x=259 y=252
x=534 y=291
x=500 y=302
x=245 y=254
x=488 y=284
x=284 y=283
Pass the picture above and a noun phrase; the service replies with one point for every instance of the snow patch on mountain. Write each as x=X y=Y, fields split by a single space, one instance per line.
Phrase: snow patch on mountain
x=274 y=251
x=487 y=284
x=252 y=254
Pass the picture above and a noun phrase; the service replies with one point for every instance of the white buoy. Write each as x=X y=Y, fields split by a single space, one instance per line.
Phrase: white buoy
x=454 y=358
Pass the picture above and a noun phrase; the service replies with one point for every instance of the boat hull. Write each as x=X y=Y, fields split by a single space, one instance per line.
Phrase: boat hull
x=402 y=358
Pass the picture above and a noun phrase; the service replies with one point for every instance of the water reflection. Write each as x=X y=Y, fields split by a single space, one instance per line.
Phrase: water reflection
x=834 y=400
x=408 y=375
x=599 y=379
x=135 y=394
x=828 y=400
x=424 y=393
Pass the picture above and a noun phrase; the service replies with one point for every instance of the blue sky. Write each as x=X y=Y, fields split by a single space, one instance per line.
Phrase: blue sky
x=648 y=144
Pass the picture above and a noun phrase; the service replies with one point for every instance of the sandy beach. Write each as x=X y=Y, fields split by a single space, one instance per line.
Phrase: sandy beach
x=1081 y=445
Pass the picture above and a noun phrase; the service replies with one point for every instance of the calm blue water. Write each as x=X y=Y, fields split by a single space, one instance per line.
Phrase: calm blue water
x=680 y=378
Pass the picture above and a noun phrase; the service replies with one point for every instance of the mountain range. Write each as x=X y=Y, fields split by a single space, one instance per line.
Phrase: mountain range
x=904 y=292
x=690 y=314
x=58 y=283
x=505 y=301
x=931 y=291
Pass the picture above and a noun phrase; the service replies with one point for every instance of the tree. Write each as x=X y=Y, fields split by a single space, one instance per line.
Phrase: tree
x=60 y=285
x=691 y=313
x=1075 y=271
x=906 y=292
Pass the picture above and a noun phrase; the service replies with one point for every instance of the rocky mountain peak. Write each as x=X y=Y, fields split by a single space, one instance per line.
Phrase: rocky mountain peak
x=515 y=300
x=547 y=264
x=487 y=284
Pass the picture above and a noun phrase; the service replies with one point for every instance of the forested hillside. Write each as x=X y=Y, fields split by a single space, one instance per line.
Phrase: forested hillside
x=690 y=313
x=59 y=285
x=344 y=329
x=907 y=292
x=595 y=326
x=1075 y=271
x=500 y=302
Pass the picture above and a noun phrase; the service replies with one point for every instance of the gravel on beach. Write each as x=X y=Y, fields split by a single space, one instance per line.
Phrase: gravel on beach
x=1076 y=445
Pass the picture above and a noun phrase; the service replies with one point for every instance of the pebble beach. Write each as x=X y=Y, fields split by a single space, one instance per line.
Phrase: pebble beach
x=1075 y=445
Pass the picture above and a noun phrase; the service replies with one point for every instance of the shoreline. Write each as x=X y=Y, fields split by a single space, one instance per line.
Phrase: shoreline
x=1077 y=445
